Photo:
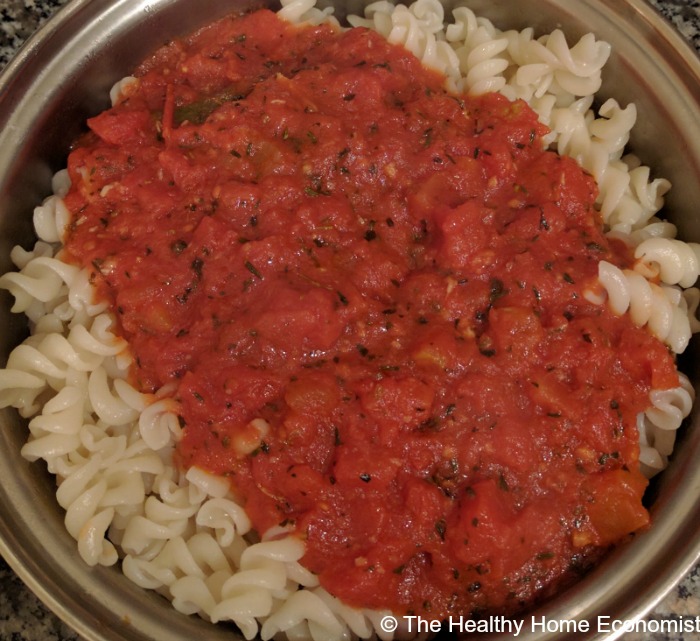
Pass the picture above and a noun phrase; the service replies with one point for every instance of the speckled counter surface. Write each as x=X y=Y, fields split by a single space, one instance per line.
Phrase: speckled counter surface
x=24 y=618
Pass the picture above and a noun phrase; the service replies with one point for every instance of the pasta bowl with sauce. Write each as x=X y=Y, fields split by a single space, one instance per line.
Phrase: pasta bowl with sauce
x=63 y=77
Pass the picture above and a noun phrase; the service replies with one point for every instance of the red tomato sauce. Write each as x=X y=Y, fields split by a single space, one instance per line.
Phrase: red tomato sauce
x=368 y=297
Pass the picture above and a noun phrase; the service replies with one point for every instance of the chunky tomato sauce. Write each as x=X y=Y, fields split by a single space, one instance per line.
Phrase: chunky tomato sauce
x=367 y=296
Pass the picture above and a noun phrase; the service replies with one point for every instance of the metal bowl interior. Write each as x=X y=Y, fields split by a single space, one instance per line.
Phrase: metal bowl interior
x=64 y=74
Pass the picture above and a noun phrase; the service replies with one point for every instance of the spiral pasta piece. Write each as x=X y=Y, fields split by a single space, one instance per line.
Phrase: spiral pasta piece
x=677 y=262
x=20 y=389
x=158 y=423
x=417 y=27
x=304 y=11
x=51 y=218
x=304 y=608
x=225 y=518
x=670 y=407
x=661 y=308
x=43 y=279
x=658 y=425
x=481 y=64
x=261 y=579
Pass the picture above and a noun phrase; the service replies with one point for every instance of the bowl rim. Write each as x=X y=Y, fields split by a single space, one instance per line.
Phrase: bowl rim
x=86 y=612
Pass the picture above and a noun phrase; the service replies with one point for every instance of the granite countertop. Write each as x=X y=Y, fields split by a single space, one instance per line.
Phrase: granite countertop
x=24 y=618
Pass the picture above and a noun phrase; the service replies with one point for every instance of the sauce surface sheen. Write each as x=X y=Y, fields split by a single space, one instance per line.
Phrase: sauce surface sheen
x=367 y=296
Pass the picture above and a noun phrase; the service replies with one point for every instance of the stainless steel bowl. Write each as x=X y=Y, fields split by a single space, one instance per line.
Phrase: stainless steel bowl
x=63 y=75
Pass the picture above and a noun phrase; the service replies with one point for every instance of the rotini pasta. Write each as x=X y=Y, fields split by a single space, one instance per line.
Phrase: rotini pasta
x=659 y=307
x=110 y=446
x=659 y=424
